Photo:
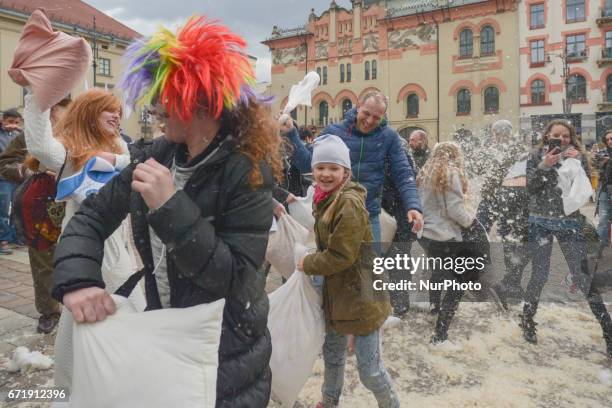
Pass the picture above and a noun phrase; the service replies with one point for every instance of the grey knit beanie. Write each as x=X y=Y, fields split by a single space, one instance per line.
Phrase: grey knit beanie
x=330 y=149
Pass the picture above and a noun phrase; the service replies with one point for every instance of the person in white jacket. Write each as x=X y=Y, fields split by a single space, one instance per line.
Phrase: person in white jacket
x=89 y=129
x=442 y=185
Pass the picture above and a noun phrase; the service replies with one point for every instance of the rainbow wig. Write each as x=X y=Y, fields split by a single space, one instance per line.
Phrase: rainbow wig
x=204 y=63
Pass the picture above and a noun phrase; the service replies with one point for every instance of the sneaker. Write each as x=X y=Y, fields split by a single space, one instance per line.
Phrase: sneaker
x=46 y=323
x=5 y=249
x=529 y=329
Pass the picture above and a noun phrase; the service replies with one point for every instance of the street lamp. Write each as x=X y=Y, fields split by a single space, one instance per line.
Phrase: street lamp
x=94 y=48
x=567 y=102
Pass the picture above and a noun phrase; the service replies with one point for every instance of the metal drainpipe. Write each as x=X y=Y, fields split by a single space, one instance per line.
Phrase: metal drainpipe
x=438 y=72
x=306 y=71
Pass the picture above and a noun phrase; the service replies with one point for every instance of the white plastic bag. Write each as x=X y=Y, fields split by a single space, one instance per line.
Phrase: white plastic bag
x=162 y=358
x=388 y=226
x=297 y=327
x=281 y=244
x=575 y=185
x=301 y=210
x=301 y=94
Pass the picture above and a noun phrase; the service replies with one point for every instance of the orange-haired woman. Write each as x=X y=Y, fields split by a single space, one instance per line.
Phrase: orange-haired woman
x=89 y=128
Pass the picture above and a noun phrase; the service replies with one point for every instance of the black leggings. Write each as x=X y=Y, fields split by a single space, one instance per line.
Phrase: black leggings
x=443 y=249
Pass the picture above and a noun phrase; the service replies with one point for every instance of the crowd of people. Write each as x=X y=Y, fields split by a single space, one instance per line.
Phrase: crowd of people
x=200 y=200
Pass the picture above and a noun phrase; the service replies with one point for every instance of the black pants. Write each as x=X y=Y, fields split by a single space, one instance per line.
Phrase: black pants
x=402 y=244
x=443 y=249
x=573 y=247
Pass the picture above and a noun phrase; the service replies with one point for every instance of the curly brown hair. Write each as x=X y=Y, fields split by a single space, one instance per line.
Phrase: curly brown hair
x=258 y=138
x=445 y=158
x=566 y=124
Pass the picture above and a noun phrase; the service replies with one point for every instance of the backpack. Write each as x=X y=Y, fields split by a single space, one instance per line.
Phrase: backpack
x=36 y=215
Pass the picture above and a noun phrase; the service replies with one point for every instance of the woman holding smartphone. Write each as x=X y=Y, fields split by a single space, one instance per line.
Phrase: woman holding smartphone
x=547 y=219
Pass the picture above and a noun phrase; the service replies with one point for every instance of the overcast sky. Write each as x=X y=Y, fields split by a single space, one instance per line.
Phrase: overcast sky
x=253 y=19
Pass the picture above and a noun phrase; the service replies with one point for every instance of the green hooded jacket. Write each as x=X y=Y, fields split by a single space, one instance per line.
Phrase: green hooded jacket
x=348 y=303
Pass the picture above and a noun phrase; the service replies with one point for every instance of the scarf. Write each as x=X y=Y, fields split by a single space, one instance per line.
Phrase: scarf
x=320 y=195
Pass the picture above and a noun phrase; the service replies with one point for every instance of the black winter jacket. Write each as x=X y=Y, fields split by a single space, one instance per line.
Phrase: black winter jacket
x=544 y=196
x=216 y=233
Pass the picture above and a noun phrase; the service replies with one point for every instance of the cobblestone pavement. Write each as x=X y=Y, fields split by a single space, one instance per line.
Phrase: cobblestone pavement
x=18 y=319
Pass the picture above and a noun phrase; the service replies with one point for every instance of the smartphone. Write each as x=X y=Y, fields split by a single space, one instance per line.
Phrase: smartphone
x=554 y=143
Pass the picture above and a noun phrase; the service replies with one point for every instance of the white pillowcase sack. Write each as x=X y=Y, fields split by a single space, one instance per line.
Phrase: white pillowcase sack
x=282 y=242
x=297 y=327
x=388 y=226
x=301 y=209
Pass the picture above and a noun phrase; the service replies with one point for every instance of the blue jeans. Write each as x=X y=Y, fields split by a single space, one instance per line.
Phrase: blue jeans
x=372 y=372
x=573 y=246
x=7 y=231
x=375 y=224
x=605 y=215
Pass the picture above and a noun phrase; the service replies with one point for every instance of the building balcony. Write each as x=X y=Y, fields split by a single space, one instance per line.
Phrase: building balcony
x=576 y=56
x=606 y=103
x=605 y=17
x=606 y=57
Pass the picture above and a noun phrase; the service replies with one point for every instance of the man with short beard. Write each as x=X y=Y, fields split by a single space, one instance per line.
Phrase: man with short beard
x=372 y=143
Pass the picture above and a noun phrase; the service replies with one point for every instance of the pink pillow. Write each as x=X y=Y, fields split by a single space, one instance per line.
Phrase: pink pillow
x=51 y=62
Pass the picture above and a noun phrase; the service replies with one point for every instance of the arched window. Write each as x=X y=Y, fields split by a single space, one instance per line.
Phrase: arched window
x=348 y=72
x=491 y=100
x=341 y=72
x=320 y=77
x=324 y=75
x=323 y=113
x=347 y=105
x=538 y=91
x=367 y=70
x=374 y=70
x=464 y=102
x=487 y=41
x=412 y=105
x=576 y=88
x=466 y=43
x=609 y=88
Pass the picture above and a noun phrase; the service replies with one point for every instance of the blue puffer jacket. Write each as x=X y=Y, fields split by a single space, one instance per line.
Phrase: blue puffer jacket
x=369 y=153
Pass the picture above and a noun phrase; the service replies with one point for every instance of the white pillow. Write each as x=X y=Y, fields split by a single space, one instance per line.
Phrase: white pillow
x=162 y=358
